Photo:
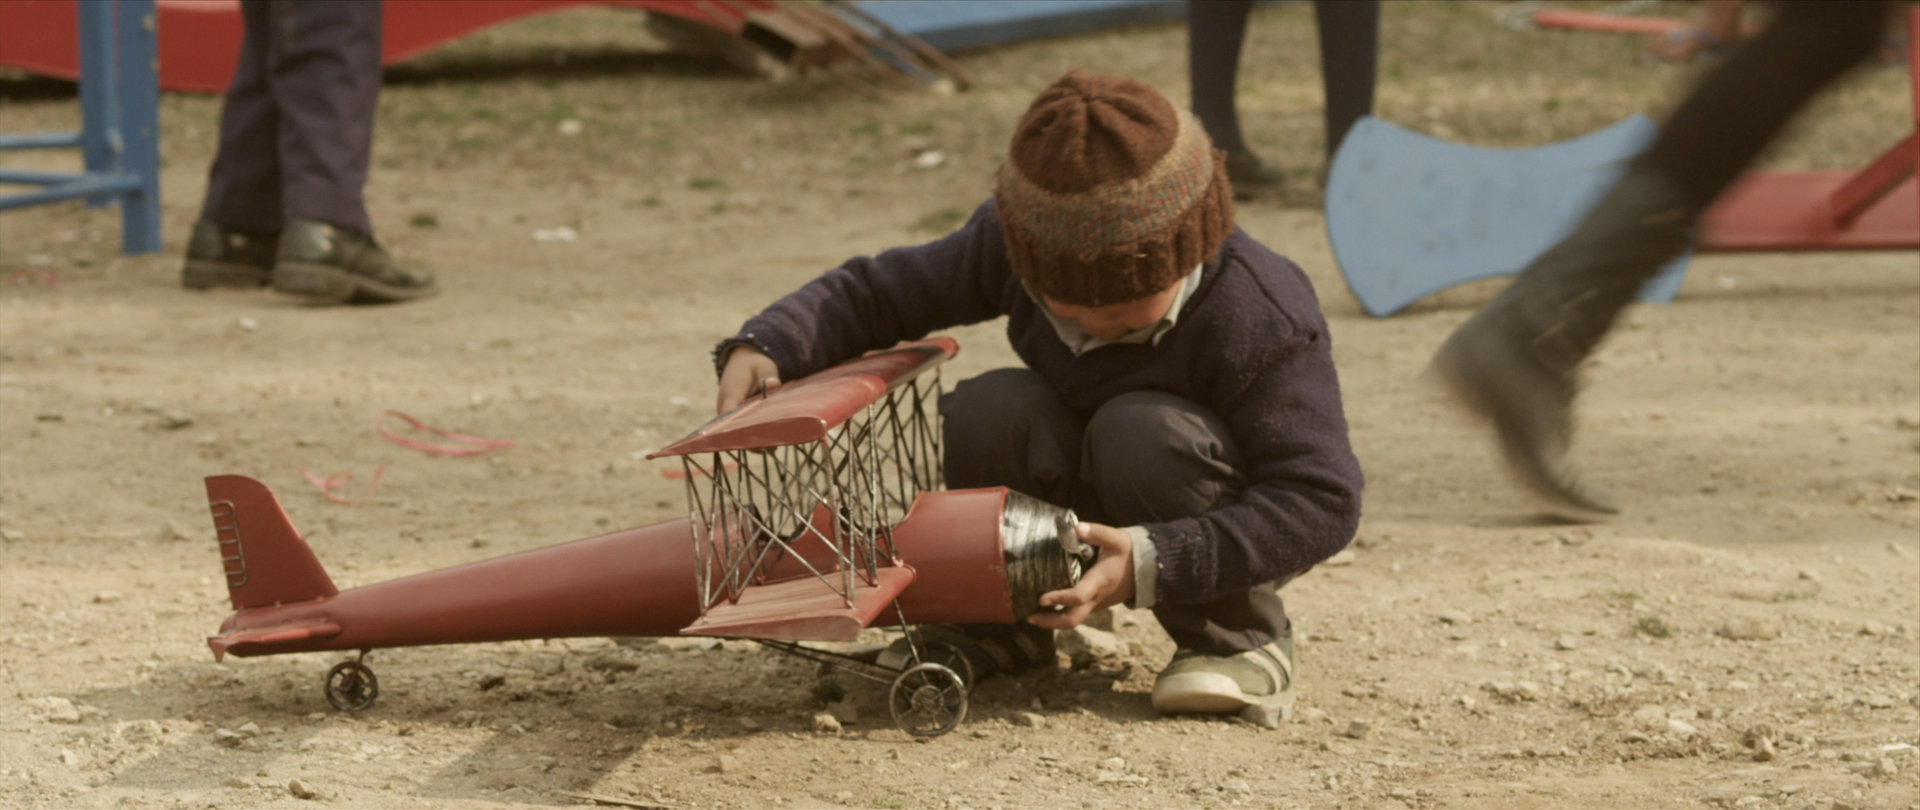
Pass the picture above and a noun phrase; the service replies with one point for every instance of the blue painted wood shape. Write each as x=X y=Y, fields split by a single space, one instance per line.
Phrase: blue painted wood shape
x=1410 y=215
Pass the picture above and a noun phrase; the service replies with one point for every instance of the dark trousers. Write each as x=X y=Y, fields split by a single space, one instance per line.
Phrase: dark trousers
x=1143 y=457
x=296 y=128
x=1349 y=33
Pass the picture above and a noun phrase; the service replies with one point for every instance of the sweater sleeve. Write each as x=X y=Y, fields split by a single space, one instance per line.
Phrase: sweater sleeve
x=876 y=302
x=1301 y=504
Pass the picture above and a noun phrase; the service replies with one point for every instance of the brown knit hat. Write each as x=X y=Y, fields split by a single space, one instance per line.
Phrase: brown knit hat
x=1110 y=193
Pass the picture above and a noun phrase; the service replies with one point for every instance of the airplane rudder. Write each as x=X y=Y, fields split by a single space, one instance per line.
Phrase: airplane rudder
x=262 y=554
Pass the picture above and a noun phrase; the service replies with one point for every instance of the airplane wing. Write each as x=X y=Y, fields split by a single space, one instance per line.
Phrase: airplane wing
x=806 y=409
x=803 y=609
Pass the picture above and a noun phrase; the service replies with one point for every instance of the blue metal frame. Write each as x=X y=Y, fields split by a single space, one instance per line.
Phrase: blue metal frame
x=119 y=138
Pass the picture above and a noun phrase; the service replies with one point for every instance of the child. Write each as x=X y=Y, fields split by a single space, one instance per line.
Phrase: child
x=1178 y=383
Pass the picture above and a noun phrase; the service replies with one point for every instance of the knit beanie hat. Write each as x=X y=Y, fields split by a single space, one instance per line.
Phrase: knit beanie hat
x=1110 y=193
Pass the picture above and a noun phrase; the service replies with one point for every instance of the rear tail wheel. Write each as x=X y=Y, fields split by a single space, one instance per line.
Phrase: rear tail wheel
x=351 y=686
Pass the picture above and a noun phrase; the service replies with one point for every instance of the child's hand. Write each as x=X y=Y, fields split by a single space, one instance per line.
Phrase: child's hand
x=749 y=372
x=1108 y=582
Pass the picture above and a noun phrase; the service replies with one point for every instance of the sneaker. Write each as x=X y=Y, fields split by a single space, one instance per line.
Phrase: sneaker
x=1209 y=684
x=329 y=264
x=988 y=649
x=226 y=257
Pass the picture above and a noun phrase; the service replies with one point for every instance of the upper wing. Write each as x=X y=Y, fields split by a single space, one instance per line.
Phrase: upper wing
x=806 y=409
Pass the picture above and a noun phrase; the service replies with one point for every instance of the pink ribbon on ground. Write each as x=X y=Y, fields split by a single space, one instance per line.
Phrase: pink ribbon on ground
x=474 y=445
x=338 y=480
x=41 y=274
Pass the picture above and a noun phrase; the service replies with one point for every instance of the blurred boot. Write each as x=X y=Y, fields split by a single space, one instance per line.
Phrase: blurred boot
x=1252 y=177
x=1515 y=362
x=328 y=264
x=226 y=257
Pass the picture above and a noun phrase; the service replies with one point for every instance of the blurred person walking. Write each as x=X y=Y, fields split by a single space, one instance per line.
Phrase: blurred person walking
x=1515 y=362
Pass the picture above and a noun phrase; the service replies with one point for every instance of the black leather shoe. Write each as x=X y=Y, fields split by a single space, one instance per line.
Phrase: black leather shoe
x=1252 y=177
x=227 y=257
x=328 y=264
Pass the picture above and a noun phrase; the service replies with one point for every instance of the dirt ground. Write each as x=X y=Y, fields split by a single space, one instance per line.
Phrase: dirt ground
x=1744 y=635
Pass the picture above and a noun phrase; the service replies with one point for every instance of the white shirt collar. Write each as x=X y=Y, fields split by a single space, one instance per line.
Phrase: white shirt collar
x=1079 y=342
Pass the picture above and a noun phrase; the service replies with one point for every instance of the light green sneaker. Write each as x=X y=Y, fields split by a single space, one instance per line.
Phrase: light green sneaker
x=1260 y=679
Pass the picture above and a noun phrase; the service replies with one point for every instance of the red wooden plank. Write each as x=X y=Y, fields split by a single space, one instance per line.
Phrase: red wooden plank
x=1597 y=21
x=1791 y=211
x=200 y=39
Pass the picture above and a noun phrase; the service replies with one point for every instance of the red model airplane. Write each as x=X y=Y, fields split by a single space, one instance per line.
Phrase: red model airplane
x=815 y=512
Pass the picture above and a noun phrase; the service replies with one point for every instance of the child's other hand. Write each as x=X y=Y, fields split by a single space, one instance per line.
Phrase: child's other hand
x=748 y=372
x=1108 y=582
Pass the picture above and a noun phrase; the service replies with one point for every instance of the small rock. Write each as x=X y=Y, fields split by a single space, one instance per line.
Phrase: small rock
x=1681 y=728
x=106 y=597
x=1029 y=719
x=1085 y=645
x=174 y=420
x=1455 y=617
x=1236 y=786
x=228 y=738
x=248 y=324
x=1763 y=750
x=1635 y=737
x=844 y=711
x=612 y=663
x=237 y=783
x=491 y=679
x=72 y=760
x=749 y=723
x=725 y=763
x=1313 y=715
x=1752 y=628
x=301 y=790
x=1345 y=557
x=1566 y=643
x=59 y=710
x=1402 y=794
x=826 y=723
x=1358 y=729
x=1650 y=716
x=545 y=664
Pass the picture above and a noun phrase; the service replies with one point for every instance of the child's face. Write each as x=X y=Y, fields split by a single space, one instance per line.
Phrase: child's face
x=1115 y=321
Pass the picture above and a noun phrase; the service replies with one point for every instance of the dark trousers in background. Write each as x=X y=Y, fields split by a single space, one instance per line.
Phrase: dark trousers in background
x=296 y=128
x=1143 y=457
x=1349 y=32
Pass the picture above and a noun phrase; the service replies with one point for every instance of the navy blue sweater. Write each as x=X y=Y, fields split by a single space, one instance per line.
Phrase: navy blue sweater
x=1250 y=345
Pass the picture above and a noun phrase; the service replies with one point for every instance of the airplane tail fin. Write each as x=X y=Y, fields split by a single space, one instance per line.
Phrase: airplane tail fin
x=265 y=560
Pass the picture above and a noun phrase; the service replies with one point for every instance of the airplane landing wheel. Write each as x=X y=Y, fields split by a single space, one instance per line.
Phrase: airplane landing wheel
x=951 y=657
x=928 y=700
x=351 y=686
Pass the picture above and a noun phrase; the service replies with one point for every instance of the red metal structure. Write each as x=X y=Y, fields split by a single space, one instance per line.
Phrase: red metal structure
x=199 y=40
x=1875 y=208
x=814 y=513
